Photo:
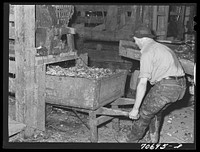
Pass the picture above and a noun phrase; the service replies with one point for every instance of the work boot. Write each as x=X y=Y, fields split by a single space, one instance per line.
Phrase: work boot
x=121 y=137
x=146 y=138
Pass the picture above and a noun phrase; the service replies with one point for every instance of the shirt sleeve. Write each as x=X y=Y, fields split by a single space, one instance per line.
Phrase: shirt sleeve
x=146 y=66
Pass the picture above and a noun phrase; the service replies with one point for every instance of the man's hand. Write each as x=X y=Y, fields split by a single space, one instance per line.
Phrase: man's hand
x=134 y=114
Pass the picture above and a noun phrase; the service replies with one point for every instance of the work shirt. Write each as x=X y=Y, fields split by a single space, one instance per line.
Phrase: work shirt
x=158 y=61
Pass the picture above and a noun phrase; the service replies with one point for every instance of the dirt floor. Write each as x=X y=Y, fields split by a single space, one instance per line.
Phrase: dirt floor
x=62 y=125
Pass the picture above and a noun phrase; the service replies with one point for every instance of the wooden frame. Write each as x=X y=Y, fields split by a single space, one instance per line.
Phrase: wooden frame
x=28 y=85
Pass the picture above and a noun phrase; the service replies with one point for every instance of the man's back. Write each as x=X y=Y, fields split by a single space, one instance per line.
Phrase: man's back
x=161 y=62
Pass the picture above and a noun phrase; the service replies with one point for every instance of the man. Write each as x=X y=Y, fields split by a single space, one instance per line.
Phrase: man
x=160 y=66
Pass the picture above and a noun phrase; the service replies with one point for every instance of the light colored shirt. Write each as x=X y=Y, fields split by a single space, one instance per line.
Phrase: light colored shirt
x=158 y=61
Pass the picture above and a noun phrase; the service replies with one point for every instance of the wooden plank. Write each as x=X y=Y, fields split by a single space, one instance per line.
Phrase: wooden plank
x=166 y=20
x=15 y=127
x=134 y=80
x=112 y=18
x=115 y=122
x=162 y=21
x=155 y=17
x=12 y=66
x=146 y=15
x=11 y=85
x=106 y=56
x=91 y=19
x=11 y=55
x=93 y=126
x=70 y=42
x=127 y=8
x=188 y=66
x=40 y=95
x=52 y=59
x=160 y=33
x=11 y=107
x=161 y=13
x=112 y=112
x=103 y=119
x=129 y=53
x=84 y=8
x=67 y=30
x=123 y=101
x=27 y=102
x=11 y=32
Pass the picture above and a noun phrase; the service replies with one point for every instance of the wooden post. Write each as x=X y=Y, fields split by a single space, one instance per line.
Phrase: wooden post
x=40 y=96
x=115 y=121
x=30 y=106
x=155 y=18
x=93 y=126
x=70 y=41
x=134 y=80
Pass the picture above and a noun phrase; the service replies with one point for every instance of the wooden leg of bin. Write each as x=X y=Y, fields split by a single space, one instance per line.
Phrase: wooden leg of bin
x=115 y=121
x=93 y=127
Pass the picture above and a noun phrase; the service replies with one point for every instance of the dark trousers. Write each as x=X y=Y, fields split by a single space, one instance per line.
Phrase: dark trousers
x=160 y=96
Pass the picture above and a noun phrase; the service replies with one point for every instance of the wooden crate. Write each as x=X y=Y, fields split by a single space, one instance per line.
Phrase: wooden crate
x=128 y=49
x=85 y=93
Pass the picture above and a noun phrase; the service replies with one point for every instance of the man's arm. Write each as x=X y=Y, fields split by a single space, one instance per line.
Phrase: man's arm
x=141 y=89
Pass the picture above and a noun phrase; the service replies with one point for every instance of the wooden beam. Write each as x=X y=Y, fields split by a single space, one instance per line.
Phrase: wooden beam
x=103 y=119
x=58 y=58
x=11 y=32
x=70 y=42
x=67 y=30
x=91 y=19
x=188 y=66
x=93 y=126
x=20 y=79
x=111 y=112
x=84 y=8
x=155 y=18
x=123 y=101
x=39 y=75
x=28 y=103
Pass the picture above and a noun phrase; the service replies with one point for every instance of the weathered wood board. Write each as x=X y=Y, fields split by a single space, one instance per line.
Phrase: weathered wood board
x=85 y=93
x=11 y=85
x=14 y=127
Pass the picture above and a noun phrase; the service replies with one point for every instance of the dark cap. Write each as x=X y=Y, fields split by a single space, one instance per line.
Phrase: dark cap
x=143 y=31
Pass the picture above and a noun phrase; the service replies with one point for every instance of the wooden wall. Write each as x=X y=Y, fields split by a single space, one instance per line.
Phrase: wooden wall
x=27 y=70
x=28 y=104
x=12 y=66
x=124 y=17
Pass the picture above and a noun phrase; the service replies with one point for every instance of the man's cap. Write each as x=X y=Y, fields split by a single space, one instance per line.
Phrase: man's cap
x=142 y=31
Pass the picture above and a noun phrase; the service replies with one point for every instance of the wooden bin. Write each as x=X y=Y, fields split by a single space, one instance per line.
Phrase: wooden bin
x=83 y=92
